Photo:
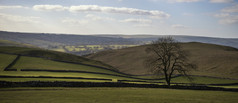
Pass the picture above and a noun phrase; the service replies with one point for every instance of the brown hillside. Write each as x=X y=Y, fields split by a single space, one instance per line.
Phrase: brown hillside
x=212 y=60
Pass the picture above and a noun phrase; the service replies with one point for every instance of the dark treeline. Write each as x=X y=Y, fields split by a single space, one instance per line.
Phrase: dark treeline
x=105 y=84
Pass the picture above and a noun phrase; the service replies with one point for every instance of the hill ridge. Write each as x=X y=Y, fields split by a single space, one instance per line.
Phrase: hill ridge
x=212 y=60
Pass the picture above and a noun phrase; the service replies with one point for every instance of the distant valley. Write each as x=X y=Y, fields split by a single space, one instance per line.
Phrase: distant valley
x=87 y=44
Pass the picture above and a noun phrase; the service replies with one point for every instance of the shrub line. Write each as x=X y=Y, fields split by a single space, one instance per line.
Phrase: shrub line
x=54 y=77
x=5 y=84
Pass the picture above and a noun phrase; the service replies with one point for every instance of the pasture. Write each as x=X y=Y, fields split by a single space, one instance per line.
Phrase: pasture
x=70 y=72
x=34 y=64
x=115 y=95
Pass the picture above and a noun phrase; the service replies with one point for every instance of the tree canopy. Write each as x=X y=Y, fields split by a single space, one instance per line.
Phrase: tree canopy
x=167 y=58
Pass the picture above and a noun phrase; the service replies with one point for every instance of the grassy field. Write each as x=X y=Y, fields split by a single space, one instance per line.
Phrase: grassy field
x=11 y=43
x=115 y=95
x=39 y=63
x=212 y=60
x=56 y=74
x=197 y=80
x=47 y=54
x=203 y=80
x=5 y=60
x=36 y=58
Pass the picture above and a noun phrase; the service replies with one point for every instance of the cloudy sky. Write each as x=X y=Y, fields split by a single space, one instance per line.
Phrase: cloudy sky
x=213 y=18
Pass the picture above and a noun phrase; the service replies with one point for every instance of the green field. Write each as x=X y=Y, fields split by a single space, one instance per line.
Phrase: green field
x=43 y=61
x=203 y=80
x=5 y=60
x=40 y=63
x=11 y=43
x=47 y=54
x=212 y=60
x=115 y=95
x=99 y=69
x=56 y=74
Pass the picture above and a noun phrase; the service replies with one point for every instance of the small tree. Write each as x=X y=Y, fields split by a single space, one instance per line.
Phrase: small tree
x=168 y=57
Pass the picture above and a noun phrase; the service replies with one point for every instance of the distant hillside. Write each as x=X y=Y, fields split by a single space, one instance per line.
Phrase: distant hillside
x=212 y=60
x=11 y=43
x=87 y=44
x=46 y=40
x=233 y=42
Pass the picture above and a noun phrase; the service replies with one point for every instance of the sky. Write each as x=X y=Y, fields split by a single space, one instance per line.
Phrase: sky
x=210 y=18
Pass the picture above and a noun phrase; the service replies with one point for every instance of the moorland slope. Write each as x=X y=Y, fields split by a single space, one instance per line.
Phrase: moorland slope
x=212 y=60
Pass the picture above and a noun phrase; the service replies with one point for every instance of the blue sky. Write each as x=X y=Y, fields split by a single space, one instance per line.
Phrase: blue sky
x=212 y=18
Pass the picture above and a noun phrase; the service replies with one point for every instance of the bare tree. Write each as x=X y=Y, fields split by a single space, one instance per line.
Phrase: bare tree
x=168 y=57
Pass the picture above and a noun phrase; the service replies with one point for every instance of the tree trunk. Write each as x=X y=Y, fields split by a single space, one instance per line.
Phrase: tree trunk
x=168 y=82
x=167 y=79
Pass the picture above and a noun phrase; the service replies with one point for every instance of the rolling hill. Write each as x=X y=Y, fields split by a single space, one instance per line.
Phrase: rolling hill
x=51 y=55
x=35 y=64
x=11 y=43
x=21 y=64
x=212 y=60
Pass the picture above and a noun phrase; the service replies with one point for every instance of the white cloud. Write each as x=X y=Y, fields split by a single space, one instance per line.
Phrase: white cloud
x=154 y=0
x=222 y=15
x=105 y=9
x=74 y=21
x=232 y=19
x=177 y=1
x=13 y=7
x=16 y=18
x=142 y=25
x=178 y=26
x=190 y=1
x=49 y=8
x=98 y=18
x=188 y=14
x=132 y=20
x=231 y=9
x=181 y=1
x=228 y=15
x=93 y=17
x=221 y=1
x=226 y=18
x=138 y=22
x=122 y=10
